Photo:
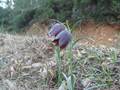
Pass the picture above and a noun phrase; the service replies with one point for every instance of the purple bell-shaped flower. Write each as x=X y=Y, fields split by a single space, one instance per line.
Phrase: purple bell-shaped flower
x=56 y=29
x=61 y=35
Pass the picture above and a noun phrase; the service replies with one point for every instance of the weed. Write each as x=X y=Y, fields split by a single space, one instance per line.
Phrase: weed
x=59 y=63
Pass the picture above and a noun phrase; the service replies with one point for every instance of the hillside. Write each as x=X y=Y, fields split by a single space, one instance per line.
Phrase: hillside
x=27 y=62
x=89 y=33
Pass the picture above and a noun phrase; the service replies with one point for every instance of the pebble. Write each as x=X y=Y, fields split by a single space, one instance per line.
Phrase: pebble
x=83 y=52
x=36 y=65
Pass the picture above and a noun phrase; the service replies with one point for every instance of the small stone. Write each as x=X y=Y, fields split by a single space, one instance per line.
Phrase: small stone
x=83 y=52
x=36 y=65
x=108 y=58
x=29 y=62
x=110 y=39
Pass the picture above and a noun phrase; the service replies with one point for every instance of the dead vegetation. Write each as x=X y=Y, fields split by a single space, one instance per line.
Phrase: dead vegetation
x=25 y=62
x=28 y=63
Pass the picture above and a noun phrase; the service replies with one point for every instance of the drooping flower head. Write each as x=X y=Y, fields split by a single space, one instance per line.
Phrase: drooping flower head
x=56 y=29
x=61 y=35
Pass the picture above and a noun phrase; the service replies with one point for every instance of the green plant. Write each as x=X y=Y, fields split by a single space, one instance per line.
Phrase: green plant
x=59 y=64
x=69 y=57
x=113 y=56
x=2 y=29
x=68 y=83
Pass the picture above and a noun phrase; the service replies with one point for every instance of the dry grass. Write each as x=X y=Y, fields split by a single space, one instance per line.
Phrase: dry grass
x=27 y=63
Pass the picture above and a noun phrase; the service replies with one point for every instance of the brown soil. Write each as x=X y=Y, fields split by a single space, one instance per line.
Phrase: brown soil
x=87 y=33
x=98 y=34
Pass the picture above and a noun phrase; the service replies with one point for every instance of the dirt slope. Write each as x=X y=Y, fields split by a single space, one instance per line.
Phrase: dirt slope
x=88 y=33
x=27 y=62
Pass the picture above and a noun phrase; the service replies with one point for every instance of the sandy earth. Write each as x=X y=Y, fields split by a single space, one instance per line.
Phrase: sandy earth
x=99 y=34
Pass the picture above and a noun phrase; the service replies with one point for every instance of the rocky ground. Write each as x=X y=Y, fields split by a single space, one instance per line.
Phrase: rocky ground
x=28 y=63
